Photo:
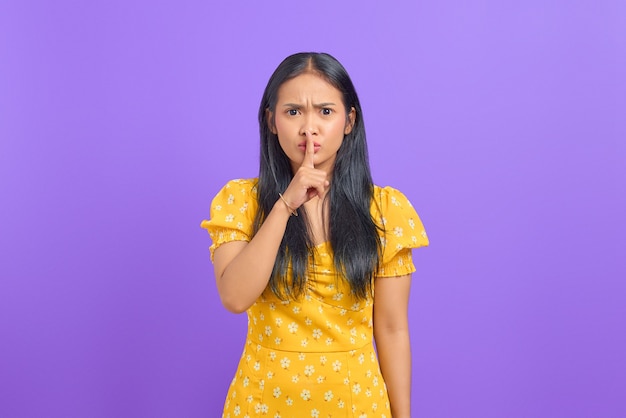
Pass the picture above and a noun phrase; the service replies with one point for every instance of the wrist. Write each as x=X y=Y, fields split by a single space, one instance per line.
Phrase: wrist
x=281 y=208
x=292 y=210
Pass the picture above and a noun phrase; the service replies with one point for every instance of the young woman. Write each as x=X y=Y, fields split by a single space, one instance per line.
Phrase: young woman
x=318 y=256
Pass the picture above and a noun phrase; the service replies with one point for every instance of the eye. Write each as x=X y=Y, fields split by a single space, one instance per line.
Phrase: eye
x=292 y=112
x=326 y=111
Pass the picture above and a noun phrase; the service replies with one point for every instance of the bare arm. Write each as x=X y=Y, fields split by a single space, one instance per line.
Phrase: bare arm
x=243 y=269
x=391 y=332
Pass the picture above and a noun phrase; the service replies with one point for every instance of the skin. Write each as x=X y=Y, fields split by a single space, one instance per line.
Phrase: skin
x=311 y=121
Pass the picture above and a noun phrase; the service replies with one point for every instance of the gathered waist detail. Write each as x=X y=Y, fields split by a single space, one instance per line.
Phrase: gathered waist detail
x=336 y=347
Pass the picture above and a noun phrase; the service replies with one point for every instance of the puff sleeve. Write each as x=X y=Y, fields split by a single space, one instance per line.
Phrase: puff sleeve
x=402 y=231
x=232 y=213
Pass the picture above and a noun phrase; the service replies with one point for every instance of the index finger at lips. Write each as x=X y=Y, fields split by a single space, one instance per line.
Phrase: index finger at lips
x=309 y=153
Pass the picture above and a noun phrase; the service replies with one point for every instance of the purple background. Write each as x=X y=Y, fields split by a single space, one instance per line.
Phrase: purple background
x=503 y=122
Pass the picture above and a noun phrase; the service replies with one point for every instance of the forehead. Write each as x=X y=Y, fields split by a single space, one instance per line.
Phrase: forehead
x=308 y=86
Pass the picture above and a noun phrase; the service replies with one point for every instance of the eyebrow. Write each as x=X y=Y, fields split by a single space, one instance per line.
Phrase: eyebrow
x=317 y=105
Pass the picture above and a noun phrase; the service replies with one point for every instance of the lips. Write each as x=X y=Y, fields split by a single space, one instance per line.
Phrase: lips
x=302 y=146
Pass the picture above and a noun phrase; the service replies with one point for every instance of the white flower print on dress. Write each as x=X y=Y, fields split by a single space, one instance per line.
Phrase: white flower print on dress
x=231 y=199
x=309 y=370
x=328 y=396
x=305 y=394
x=284 y=363
x=229 y=218
x=261 y=408
x=293 y=327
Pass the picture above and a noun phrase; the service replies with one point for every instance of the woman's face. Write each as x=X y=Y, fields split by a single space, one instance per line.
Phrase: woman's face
x=309 y=103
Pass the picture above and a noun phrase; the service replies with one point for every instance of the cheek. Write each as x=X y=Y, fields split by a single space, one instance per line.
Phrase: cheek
x=283 y=127
x=339 y=127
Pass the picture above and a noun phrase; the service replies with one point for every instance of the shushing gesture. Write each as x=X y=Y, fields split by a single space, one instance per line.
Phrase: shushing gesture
x=308 y=181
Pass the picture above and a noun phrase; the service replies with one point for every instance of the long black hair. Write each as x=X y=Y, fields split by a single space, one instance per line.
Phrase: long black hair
x=353 y=233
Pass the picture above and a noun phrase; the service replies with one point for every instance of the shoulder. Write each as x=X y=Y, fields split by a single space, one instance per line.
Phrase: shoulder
x=235 y=200
x=232 y=212
x=236 y=190
x=397 y=217
x=387 y=199
x=241 y=186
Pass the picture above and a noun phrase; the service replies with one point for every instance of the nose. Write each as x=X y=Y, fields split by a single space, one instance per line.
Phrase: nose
x=308 y=124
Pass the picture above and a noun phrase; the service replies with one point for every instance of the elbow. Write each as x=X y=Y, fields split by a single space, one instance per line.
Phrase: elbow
x=235 y=297
x=234 y=308
x=234 y=304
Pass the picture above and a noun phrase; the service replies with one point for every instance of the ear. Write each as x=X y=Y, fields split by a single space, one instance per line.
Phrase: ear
x=350 y=121
x=269 y=116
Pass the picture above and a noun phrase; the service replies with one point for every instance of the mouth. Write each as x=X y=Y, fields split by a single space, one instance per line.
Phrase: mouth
x=302 y=146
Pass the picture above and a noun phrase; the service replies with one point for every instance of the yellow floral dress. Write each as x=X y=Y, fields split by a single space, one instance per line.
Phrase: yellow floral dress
x=313 y=357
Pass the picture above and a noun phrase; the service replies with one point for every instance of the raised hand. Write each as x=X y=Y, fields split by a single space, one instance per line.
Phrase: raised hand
x=308 y=181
